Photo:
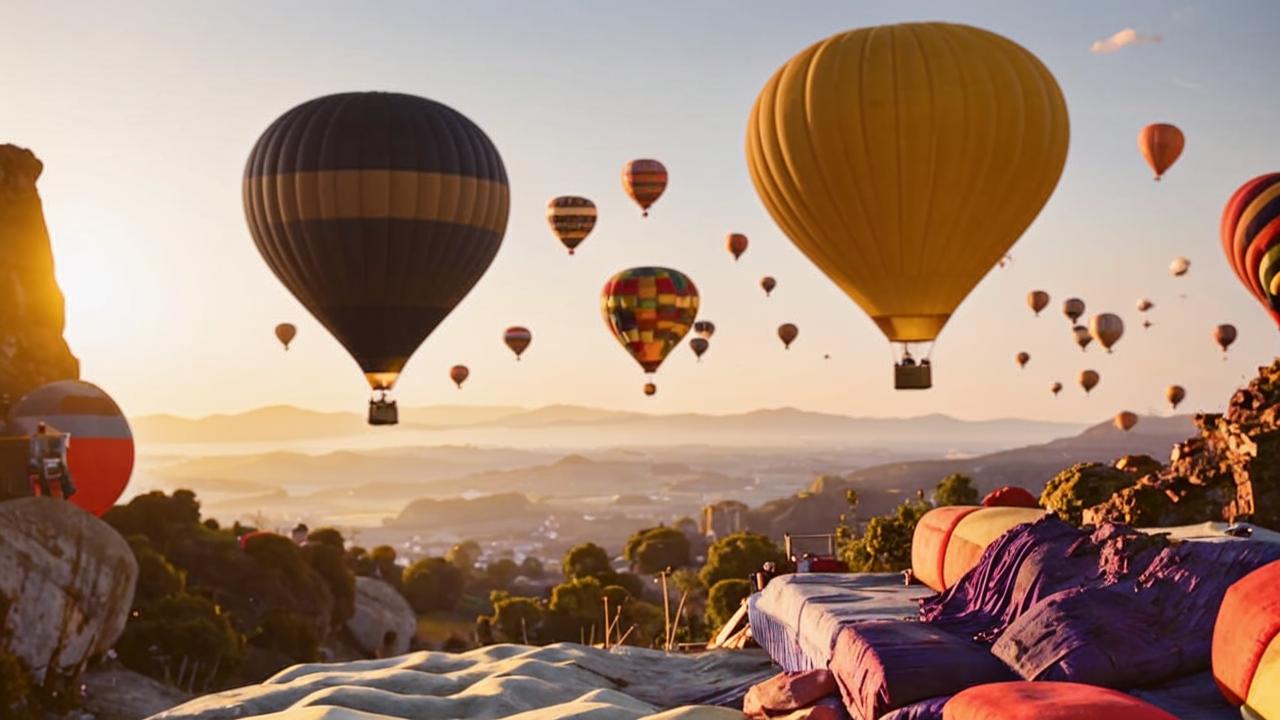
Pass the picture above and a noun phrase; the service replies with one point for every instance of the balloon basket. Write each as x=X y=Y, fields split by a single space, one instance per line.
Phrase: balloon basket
x=912 y=377
x=383 y=412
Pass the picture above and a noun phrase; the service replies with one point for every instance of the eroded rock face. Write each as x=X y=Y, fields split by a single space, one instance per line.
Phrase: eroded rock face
x=1230 y=470
x=32 y=351
x=66 y=585
x=380 y=609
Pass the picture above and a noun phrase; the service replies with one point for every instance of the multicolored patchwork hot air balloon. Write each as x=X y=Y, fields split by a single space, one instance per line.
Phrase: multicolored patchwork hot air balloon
x=855 y=150
x=736 y=243
x=1161 y=144
x=1250 y=232
x=459 y=374
x=285 y=333
x=644 y=181
x=571 y=218
x=100 y=452
x=649 y=310
x=1037 y=300
x=517 y=338
x=379 y=212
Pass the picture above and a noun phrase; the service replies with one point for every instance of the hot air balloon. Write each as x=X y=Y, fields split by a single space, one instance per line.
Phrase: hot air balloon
x=1125 y=420
x=1250 y=233
x=737 y=244
x=768 y=283
x=100 y=449
x=1037 y=300
x=1179 y=266
x=571 y=218
x=1088 y=380
x=854 y=149
x=1224 y=335
x=699 y=345
x=1083 y=337
x=459 y=374
x=1055 y=388
x=1023 y=358
x=650 y=388
x=1145 y=305
x=1073 y=308
x=1106 y=328
x=649 y=310
x=787 y=334
x=285 y=333
x=644 y=181
x=517 y=338
x=1161 y=144
x=705 y=328
x=1175 y=395
x=379 y=212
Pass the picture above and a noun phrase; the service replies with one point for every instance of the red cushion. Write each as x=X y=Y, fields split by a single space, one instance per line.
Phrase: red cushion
x=1048 y=701
x=1248 y=620
x=929 y=544
x=1009 y=496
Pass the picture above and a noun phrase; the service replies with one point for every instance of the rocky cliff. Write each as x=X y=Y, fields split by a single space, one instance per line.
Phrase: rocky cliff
x=1229 y=470
x=32 y=351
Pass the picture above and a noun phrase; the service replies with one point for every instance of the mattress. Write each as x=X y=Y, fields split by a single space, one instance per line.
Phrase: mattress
x=797 y=617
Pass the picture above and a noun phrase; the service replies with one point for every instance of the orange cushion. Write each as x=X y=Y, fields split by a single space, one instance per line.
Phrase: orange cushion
x=1024 y=700
x=1248 y=621
x=975 y=532
x=929 y=543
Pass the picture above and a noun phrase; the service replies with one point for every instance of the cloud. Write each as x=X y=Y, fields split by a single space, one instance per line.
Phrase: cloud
x=1125 y=37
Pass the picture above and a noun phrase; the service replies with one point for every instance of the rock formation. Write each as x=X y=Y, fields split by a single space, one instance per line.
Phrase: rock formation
x=66 y=585
x=32 y=351
x=1230 y=470
x=381 y=609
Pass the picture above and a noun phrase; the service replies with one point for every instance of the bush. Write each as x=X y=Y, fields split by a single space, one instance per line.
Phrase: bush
x=157 y=577
x=385 y=567
x=515 y=618
x=532 y=568
x=739 y=555
x=885 y=546
x=464 y=555
x=327 y=536
x=655 y=549
x=587 y=561
x=158 y=639
x=290 y=634
x=1081 y=486
x=724 y=599
x=433 y=584
x=278 y=553
x=575 y=609
x=631 y=582
x=502 y=572
x=955 y=489
x=162 y=518
x=329 y=561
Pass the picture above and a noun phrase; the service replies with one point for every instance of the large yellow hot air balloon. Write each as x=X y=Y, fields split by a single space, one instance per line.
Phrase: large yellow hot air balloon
x=905 y=160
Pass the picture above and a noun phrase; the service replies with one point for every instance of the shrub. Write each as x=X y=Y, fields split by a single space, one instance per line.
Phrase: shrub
x=515 y=618
x=738 y=556
x=1081 y=486
x=464 y=555
x=385 y=567
x=655 y=549
x=433 y=584
x=885 y=546
x=326 y=536
x=502 y=572
x=329 y=561
x=532 y=568
x=158 y=639
x=157 y=577
x=724 y=599
x=955 y=489
x=587 y=561
x=290 y=634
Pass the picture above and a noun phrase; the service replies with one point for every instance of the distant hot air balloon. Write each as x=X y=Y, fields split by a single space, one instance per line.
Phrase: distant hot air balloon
x=1125 y=420
x=285 y=333
x=787 y=333
x=650 y=388
x=1037 y=300
x=855 y=150
x=1175 y=395
x=1224 y=335
x=1055 y=388
x=571 y=218
x=379 y=212
x=1023 y=358
x=704 y=328
x=517 y=338
x=1088 y=380
x=1106 y=328
x=1083 y=337
x=1250 y=237
x=644 y=181
x=699 y=345
x=768 y=284
x=649 y=310
x=1161 y=144
x=1073 y=308
x=1179 y=266
x=100 y=450
x=737 y=244
x=459 y=374
x=1145 y=305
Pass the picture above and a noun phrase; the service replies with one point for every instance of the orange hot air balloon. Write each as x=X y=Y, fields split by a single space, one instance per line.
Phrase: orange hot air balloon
x=1224 y=335
x=517 y=338
x=705 y=328
x=649 y=310
x=768 y=283
x=787 y=334
x=1125 y=420
x=1055 y=388
x=1073 y=308
x=1145 y=305
x=1083 y=337
x=1037 y=300
x=1175 y=394
x=737 y=244
x=644 y=181
x=1161 y=144
x=459 y=374
x=699 y=345
x=1088 y=380
x=650 y=388
x=1106 y=328
x=285 y=333
x=571 y=219
x=1022 y=358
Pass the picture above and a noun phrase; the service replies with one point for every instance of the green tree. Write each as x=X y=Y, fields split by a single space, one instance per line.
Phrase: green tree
x=515 y=618
x=182 y=630
x=157 y=577
x=655 y=549
x=575 y=609
x=885 y=546
x=330 y=563
x=955 y=489
x=385 y=567
x=327 y=536
x=587 y=561
x=502 y=572
x=738 y=556
x=290 y=634
x=687 y=580
x=532 y=568
x=724 y=599
x=433 y=584
x=464 y=555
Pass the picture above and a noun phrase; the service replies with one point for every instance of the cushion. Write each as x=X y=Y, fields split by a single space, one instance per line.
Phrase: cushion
x=1009 y=496
x=975 y=532
x=1245 y=633
x=785 y=692
x=1048 y=701
x=929 y=543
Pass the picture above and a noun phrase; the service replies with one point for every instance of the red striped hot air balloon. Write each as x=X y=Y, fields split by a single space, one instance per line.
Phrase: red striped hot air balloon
x=1161 y=144
x=100 y=453
x=517 y=338
x=571 y=218
x=1250 y=231
x=644 y=180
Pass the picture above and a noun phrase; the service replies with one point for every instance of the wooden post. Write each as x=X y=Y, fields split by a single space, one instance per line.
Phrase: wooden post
x=606 y=621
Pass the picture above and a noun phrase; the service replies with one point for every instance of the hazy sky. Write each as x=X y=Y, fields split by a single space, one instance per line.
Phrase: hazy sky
x=144 y=114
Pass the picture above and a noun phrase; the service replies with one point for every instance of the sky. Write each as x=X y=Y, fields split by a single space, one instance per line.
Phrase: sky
x=144 y=114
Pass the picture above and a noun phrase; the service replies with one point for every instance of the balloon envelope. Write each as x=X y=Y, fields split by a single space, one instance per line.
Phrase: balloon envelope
x=1175 y=394
x=1037 y=300
x=517 y=338
x=571 y=219
x=1083 y=336
x=100 y=454
x=768 y=284
x=1125 y=420
x=737 y=244
x=705 y=328
x=699 y=345
x=787 y=334
x=1022 y=358
x=1055 y=388
x=1160 y=144
x=1224 y=335
x=285 y=333
x=649 y=310
x=1073 y=308
x=1106 y=328
x=644 y=180
x=1088 y=380
x=458 y=374
x=1179 y=266
x=1250 y=233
